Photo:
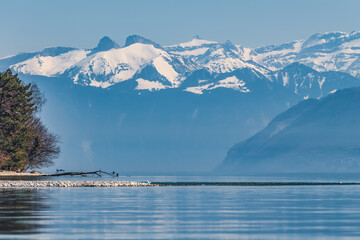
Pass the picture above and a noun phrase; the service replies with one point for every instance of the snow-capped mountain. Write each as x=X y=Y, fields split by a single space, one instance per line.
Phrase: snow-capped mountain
x=309 y=83
x=106 y=68
x=216 y=57
x=332 y=51
x=106 y=64
x=200 y=66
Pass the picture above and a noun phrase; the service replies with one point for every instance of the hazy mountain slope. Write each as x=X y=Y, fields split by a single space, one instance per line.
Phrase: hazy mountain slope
x=313 y=136
x=169 y=130
x=173 y=129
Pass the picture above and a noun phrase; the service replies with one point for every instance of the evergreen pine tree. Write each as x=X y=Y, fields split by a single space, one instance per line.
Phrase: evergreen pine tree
x=23 y=138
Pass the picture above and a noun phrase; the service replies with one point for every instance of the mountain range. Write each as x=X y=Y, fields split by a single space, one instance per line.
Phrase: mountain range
x=196 y=66
x=146 y=106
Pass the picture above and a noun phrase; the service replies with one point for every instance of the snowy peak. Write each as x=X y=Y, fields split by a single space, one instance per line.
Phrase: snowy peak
x=105 y=44
x=194 y=48
x=54 y=51
x=135 y=61
x=332 y=51
x=115 y=65
x=7 y=62
x=196 y=42
x=224 y=58
x=203 y=65
x=229 y=45
x=49 y=65
x=139 y=39
x=325 y=38
x=330 y=40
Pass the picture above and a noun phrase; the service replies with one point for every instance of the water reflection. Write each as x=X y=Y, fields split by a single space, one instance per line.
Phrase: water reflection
x=193 y=212
x=20 y=210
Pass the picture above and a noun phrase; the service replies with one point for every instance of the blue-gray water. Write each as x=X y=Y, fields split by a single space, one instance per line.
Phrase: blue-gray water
x=185 y=212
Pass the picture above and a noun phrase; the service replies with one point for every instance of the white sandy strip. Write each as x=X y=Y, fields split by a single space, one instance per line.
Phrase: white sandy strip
x=36 y=184
x=12 y=173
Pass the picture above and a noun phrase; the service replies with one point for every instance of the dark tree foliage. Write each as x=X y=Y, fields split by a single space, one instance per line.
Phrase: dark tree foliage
x=24 y=141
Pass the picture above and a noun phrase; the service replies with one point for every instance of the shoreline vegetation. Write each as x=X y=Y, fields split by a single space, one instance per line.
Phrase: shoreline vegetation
x=98 y=173
x=25 y=142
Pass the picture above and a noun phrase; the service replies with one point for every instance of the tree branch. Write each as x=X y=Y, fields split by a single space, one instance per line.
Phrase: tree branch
x=98 y=173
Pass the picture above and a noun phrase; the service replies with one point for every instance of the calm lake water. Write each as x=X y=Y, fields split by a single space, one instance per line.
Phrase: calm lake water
x=185 y=212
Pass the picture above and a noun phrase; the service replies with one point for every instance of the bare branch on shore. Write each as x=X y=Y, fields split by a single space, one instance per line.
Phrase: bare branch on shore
x=99 y=173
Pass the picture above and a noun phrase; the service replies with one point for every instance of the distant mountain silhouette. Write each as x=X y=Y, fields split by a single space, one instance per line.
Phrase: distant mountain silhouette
x=105 y=44
x=313 y=136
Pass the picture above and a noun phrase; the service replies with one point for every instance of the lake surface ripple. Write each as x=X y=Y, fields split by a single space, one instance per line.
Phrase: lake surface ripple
x=182 y=212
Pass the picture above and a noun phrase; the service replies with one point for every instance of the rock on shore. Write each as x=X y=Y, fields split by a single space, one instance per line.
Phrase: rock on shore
x=36 y=184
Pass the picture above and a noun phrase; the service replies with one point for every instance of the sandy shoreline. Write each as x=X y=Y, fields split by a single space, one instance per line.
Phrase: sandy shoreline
x=37 y=184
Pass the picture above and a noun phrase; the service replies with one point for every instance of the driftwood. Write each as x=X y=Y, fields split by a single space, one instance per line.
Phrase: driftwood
x=84 y=174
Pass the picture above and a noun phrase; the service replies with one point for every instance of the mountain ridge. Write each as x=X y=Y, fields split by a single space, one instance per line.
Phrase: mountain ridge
x=297 y=67
x=316 y=135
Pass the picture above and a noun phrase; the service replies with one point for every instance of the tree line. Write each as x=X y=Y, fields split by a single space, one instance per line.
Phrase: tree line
x=25 y=143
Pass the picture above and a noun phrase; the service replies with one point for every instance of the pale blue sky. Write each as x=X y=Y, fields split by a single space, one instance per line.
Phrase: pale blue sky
x=34 y=25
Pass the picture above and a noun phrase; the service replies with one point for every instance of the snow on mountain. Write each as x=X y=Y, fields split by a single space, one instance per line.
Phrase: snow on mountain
x=275 y=57
x=194 y=47
x=50 y=66
x=332 y=51
x=195 y=42
x=115 y=65
x=139 y=39
x=162 y=65
x=194 y=52
x=211 y=54
x=107 y=64
x=230 y=82
x=155 y=67
x=104 y=69
x=7 y=57
x=149 y=85
x=223 y=58
x=309 y=83
x=7 y=62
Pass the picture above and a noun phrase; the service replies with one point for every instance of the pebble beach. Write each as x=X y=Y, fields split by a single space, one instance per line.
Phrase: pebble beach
x=39 y=184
